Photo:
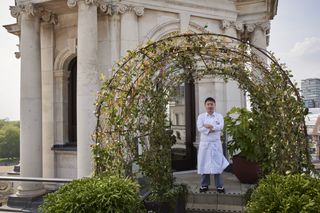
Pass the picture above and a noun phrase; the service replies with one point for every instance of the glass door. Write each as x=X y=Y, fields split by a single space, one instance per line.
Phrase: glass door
x=181 y=112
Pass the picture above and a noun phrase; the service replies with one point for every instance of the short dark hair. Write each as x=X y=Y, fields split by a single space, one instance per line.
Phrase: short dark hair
x=210 y=99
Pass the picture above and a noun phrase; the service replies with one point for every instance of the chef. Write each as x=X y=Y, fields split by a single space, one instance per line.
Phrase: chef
x=210 y=155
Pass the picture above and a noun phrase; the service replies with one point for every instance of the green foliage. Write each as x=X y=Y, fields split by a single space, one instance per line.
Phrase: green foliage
x=245 y=129
x=9 y=139
x=293 y=193
x=112 y=194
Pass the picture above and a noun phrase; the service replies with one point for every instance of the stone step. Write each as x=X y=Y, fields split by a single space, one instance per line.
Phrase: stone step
x=213 y=197
x=202 y=208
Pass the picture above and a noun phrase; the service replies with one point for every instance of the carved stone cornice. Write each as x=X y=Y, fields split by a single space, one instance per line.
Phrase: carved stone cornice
x=32 y=10
x=109 y=8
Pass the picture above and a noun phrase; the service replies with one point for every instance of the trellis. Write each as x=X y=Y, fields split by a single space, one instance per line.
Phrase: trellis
x=131 y=104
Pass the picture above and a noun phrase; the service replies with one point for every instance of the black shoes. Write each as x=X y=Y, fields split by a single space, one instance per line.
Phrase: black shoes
x=204 y=188
x=220 y=190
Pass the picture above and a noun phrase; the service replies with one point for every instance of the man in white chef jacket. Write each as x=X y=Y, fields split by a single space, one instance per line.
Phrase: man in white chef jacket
x=210 y=155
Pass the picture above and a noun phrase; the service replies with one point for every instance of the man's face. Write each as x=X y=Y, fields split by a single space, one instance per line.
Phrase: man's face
x=210 y=106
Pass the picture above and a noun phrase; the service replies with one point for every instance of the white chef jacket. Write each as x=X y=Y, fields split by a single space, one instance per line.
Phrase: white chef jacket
x=210 y=155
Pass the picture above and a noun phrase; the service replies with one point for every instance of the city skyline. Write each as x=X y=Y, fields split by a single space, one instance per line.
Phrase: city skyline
x=294 y=39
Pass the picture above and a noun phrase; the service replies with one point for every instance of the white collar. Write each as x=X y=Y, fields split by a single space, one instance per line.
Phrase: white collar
x=212 y=115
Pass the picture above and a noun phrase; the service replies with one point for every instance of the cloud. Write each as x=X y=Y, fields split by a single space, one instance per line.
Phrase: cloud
x=307 y=48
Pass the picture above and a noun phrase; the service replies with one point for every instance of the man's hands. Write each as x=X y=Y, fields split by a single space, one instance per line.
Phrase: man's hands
x=209 y=126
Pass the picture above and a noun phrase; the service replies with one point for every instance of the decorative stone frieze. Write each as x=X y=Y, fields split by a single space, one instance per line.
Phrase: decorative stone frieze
x=32 y=10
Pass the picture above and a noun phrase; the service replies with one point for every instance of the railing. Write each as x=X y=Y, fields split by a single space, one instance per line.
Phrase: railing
x=34 y=179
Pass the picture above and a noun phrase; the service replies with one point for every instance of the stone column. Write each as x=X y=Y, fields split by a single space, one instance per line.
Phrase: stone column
x=234 y=96
x=129 y=27
x=30 y=104
x=60 y=106
x=259 y=37
x=47 y=57
x=115 y=38
x=87 y=83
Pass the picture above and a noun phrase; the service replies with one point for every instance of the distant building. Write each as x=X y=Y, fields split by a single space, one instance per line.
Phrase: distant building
x=313 y=130
x=310 y=89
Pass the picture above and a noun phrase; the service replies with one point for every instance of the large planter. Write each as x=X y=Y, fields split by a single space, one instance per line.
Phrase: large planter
x=178 y=205
x=246 y=171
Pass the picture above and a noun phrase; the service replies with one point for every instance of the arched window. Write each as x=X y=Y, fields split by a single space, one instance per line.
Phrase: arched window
x=72 y=102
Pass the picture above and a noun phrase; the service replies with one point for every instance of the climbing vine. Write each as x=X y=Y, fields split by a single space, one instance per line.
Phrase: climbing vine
x=131 y=104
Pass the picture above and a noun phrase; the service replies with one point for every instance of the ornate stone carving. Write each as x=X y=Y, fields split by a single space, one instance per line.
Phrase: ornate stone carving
x=72 y=3
x=15 y=11
x=225 y=24
x=239 y=26
x=265 y=26
x=23 y=8
x=122 y=8
x=49 y=17
x=109 y=8
x=31 y=9
x=139 y=11
x=250 y=27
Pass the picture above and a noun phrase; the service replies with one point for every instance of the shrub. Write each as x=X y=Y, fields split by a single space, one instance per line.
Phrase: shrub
x=112 y=194
x=294 y=193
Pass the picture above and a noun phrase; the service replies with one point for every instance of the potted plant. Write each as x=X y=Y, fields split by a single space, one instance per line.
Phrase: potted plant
x=246 y=145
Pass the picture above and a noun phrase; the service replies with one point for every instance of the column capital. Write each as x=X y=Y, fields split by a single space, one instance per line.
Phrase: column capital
x=225 y=24
x=264 y=26
x=27 y=8
x=32 y=10
x=124 y=8
x=139 y=11
x=250 y=27
x=108 y=8
x=73 y=3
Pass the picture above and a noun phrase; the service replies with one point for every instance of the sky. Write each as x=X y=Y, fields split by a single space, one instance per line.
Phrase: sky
x=294 y=39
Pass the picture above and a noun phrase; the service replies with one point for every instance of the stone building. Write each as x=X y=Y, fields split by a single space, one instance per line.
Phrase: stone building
x=66 y=44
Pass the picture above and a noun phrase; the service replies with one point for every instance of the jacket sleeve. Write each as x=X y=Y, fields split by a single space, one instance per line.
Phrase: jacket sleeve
x=200 y=126
x=219 y=126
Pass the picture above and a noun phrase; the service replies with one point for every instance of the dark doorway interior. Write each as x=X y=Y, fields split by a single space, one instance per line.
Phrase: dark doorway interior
x=182 y=118
x=72 y=102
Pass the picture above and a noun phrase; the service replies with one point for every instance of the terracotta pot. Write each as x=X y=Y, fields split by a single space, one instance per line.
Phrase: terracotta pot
x=246 y=171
